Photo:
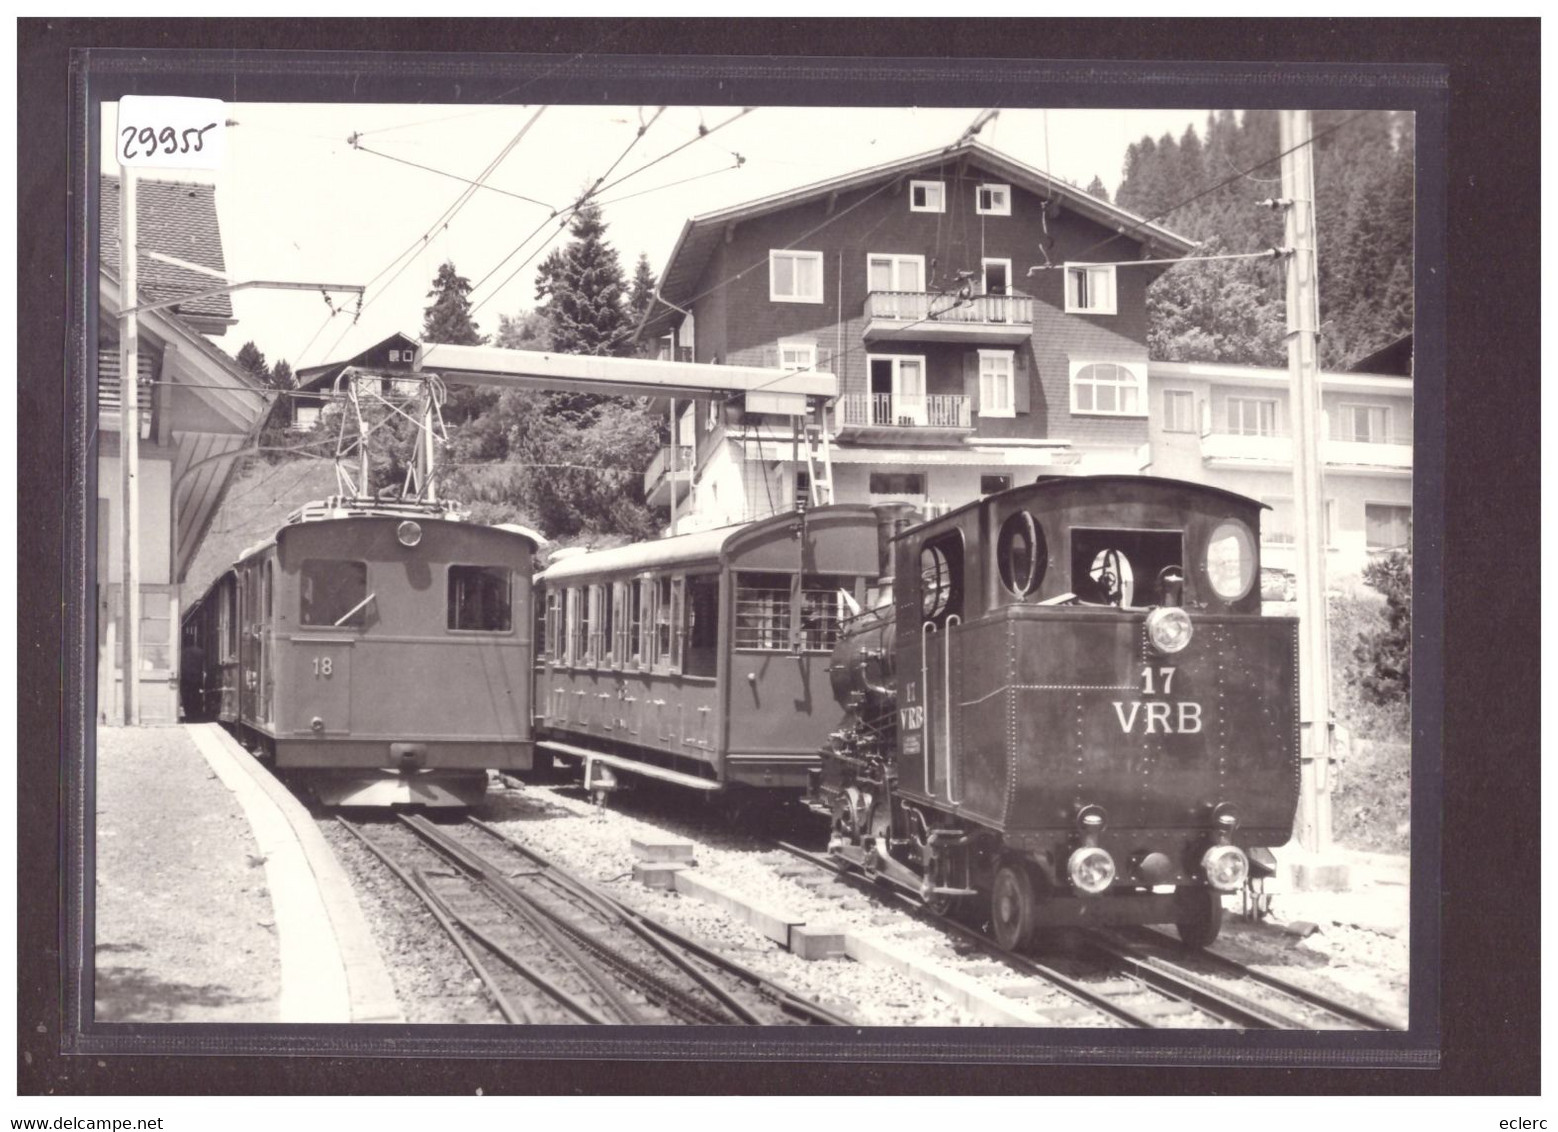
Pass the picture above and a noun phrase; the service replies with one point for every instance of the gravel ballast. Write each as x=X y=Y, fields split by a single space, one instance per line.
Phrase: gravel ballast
x=1355 y=964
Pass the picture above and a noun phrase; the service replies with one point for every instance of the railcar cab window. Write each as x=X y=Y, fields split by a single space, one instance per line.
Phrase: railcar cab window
x=481 y=599
x=1124 y=568
x=769 y=619
x=941 y=578
x=334 y=593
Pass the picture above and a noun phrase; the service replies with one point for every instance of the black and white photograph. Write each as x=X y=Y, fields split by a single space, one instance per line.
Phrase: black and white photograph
x=851 y=567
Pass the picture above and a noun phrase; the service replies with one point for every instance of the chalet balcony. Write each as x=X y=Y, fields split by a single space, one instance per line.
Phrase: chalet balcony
x=1386 y=454
x=999 y=320
x=888 y=416
x=658 y=480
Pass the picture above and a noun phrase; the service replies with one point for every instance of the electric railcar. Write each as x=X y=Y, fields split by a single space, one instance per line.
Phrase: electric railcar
x=381 y=651
x=703 y=659
x=1072 y=711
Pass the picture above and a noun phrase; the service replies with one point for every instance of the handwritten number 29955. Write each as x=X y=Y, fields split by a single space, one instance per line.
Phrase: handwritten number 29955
x=169 y=139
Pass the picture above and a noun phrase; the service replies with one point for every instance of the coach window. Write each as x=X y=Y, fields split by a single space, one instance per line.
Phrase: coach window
x=941 y=578
x=595 y=641
x=702 y=625
x=763 y=612
x=578 y=625
x=663 y=622
x=226 y=637
x=606 y=644
x=635 y=623
x=552 y=639
x=481 y=599
x=823 y=608
x=334 y=593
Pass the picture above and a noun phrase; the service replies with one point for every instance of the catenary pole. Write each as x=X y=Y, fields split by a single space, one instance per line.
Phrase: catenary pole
x=129 y=447
x=1303 y=314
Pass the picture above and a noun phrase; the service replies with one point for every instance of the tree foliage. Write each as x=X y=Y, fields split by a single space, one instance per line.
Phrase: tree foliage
x=582 y=291
x=448 y=318
x=1385 y=655
x=1364 y=200
x=253 y=363
x=571 y=464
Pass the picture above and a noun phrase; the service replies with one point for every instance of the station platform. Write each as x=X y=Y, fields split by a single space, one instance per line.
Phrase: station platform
x=217 y=898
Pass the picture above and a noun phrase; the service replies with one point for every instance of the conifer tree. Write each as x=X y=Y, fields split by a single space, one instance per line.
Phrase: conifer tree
x=582 y=291
x=448 y=319
x=1098 y=189
x=253 y=362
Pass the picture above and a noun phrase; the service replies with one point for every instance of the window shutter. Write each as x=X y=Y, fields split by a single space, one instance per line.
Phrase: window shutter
x=1021 y=393
x=971 y=380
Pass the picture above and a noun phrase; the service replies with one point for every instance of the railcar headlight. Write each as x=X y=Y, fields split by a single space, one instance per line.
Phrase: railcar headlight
x=1226 y=867
x=1091 y=870
x=409 y=533
x=1169 y=629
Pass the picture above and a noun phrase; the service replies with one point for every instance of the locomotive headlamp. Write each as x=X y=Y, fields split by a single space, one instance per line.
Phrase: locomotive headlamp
x=1225 y=867
x=409 y=533
x=1169 y=629
x=1091 y=870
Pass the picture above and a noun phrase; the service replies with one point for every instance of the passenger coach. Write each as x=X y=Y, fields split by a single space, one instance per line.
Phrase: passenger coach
x=703 y=659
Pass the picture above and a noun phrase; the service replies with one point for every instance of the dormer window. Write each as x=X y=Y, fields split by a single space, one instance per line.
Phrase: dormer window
x=1090 y=288
x=993 y=200
x=927 y=196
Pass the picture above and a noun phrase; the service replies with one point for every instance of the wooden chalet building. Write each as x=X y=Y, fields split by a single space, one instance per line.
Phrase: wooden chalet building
x=970 y=306
x=197 y=410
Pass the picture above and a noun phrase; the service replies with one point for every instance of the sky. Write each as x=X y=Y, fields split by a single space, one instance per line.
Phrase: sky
x=298 y=201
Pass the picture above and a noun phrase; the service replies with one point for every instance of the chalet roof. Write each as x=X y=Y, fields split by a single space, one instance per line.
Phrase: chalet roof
x=700 y=234
x=1393 y=357
x=323 y=375
x=175 y=218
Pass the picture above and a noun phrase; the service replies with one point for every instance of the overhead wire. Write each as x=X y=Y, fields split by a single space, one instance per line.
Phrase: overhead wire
x=444 y=220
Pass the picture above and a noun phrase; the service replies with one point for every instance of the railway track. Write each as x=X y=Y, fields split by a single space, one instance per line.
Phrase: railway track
x=1142 y=979
x=551 y=949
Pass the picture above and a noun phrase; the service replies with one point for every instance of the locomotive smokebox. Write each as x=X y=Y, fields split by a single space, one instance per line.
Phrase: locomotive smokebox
x=862 y=668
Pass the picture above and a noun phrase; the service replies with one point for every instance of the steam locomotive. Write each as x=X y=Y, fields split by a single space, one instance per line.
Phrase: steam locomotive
x=1070 y=711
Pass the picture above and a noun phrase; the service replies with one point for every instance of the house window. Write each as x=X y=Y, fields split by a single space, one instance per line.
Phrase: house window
x=1387 y=526
x=1105 y=387
x=989 y=485
x=1367 y=424
x=480 y=599
x=1279 y=525
x=797 y=354
x=895 y=273
x=897 y=483
x=927 y=196
x=897 y=383
x=1090 y=288
x=1179 y=410
x=995 y=384
x=305 y=416
x=993 y=200
x=1250 y=417
x=795 y=277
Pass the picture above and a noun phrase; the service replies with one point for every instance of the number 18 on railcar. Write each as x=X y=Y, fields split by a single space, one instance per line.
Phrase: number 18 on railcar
x=1074 y=713
x=380 y=652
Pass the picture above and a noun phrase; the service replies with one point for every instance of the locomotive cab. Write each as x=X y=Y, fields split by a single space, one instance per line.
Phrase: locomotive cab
x=1089 y=721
